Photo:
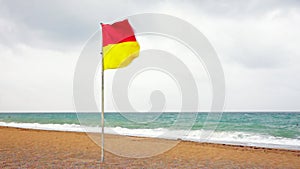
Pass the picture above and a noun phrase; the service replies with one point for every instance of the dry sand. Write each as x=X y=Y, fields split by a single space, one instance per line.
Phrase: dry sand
x=22 y=148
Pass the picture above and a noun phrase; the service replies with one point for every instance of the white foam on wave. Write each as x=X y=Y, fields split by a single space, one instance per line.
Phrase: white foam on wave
x=38 y=126
x=222 y=137
x=245 y=138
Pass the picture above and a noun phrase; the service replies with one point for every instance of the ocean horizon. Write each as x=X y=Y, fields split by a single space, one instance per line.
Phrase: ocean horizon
x=260 y=129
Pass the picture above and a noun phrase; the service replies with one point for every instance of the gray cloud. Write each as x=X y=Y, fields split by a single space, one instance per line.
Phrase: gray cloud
x=257 y=42
x=71 y=22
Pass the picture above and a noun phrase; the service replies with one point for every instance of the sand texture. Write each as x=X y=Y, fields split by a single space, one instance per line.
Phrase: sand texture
x=22 y=148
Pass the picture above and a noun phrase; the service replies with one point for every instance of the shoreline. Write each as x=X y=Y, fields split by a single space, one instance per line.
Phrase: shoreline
x=234 y=144
x=62 y=148
x=166 y=139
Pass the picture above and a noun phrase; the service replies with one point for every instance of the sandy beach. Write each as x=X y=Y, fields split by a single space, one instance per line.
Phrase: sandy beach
x=23 y=148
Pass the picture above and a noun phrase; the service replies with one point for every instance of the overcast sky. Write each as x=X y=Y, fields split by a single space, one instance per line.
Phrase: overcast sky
x=257 y=43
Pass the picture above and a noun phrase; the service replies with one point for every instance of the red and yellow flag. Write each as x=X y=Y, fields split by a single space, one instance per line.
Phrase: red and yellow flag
x=119 y=45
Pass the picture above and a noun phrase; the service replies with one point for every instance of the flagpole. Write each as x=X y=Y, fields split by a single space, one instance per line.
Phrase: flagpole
x=102 y=110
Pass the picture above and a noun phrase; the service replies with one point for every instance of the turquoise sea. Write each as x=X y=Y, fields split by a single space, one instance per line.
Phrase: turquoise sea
x=263 y=129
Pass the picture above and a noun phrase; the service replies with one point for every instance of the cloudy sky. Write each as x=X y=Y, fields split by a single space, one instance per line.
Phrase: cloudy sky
x=257 y=43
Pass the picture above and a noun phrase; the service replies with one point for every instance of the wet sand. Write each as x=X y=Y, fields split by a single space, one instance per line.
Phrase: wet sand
x=23 y=148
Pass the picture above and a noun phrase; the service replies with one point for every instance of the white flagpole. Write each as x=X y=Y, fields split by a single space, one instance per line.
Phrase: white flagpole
x=102 y=110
